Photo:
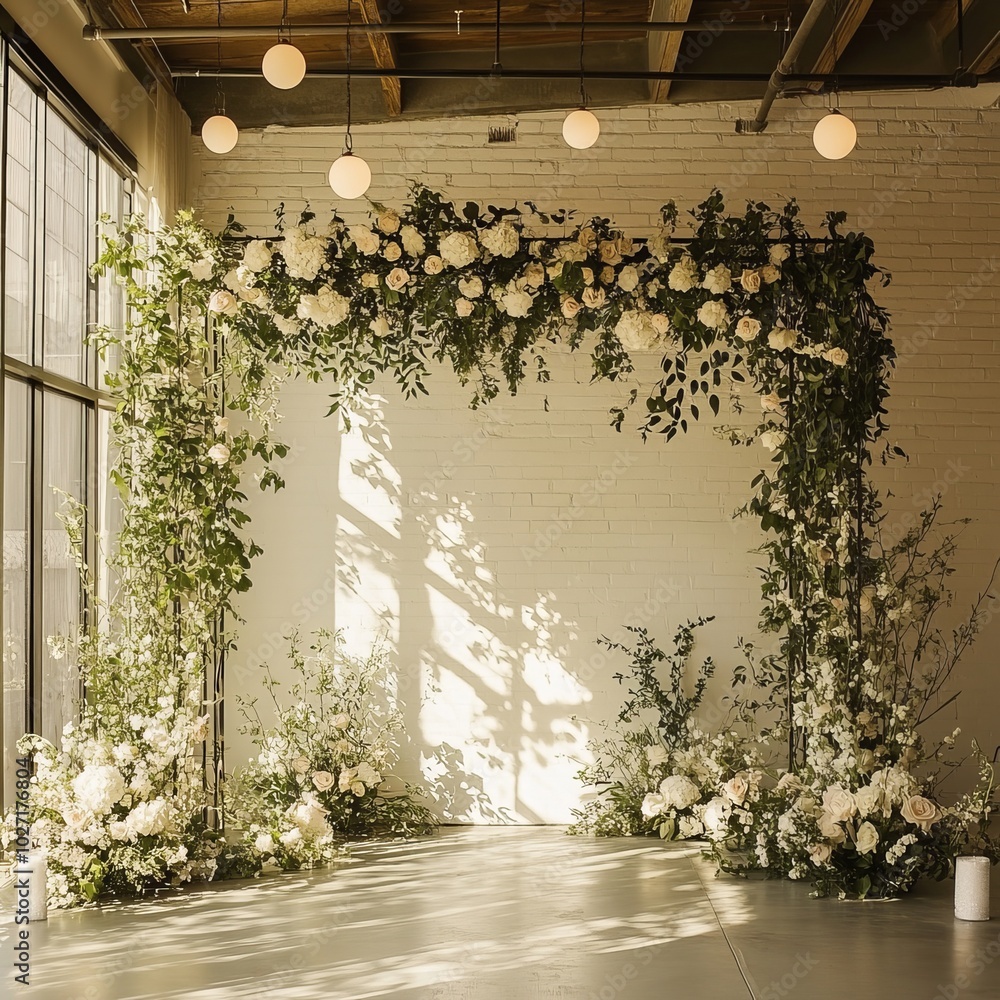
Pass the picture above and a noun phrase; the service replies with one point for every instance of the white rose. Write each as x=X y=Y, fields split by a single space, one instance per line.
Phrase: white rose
x=380 y=327
x=369 y=280
x=661 y=324
x=388 y=221
x=221 y=425
x=769 y=274
x=830 y=828
x=224 y=303
x=920 y=812
x=656 y=755
x=778 y=254
x=358 y=788
x=839 y=803
x=716 y=817
x=300 y=765
x=836 y=356
x=588 y=275
x=364 y=239
x=322 y=780
x=257 y=256
x=472 y=287
x=780 y=339
x=867 y=800
x=747 y=328
x=653 y=804
x=714 y=315
x=219 y=454
x=534 y=275
x=501 y=240
x=463 y=307
x=201 y=270
x=413 y=242
x=570 y=307
x=819 y=854
x=718 y=280
x=628 y=278
x=265 y=844
x=593 y=298
x=750 y=280
x=516 y=303
x=771 y=403
x=291 y=838
x=688 y=827
x=391 y=251
x=679 y=791
x=867 y=838
x=736 y=790
x=607 y=275
x=397 y=279
x=433 y=265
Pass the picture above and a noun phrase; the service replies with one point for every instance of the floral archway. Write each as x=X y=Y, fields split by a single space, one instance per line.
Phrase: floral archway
x=748 y=302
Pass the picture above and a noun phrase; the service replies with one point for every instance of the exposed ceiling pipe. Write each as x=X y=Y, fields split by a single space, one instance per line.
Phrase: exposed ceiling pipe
x=95 y=32
x=786 y=64
x=913 y=81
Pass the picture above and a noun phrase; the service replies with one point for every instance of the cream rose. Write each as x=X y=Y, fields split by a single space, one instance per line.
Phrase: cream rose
x=750 y=280
x=369 y=280
x=610 y=254
x=397 y=279
x=628 y=278
x=223 y=303
x=867 y=838
x=780 y=339
x=413 y=242
x=830 y=828
x=472 y=287
x=322 y=780
x=570 y=307
x=463 y=307
x=607 y=275
x=771 y=403
x=661 y=324
x=769 y=274
x=839 y=803
x=920 y=812
x=219 y=454
x=778 y=254
x=836 y=356
x=433 y=265
x=300 y=765
x=392 y=251
x=593 y=298
x=735 y=789
x=534 y=275
x=819 y=854
x=388 y=221
x=747 y=328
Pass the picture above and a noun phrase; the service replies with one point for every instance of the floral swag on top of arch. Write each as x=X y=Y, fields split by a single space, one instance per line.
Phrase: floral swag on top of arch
x=132 y=797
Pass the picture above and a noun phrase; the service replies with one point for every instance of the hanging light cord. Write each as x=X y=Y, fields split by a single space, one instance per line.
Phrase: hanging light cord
x=220 y=97
x=284 y=21
x=347 y=138
x=583 y=21
x=836 y=54
x=497 y=68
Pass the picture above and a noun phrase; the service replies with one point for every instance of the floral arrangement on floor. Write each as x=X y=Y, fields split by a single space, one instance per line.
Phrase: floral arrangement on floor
x=323 y=771
x=657 y=771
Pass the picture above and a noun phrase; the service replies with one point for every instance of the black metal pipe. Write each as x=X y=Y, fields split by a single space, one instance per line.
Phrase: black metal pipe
x=857 y=80
x=94 y=32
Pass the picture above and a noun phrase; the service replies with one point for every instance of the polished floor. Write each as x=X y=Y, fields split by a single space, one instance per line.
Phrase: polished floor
x=511 y=914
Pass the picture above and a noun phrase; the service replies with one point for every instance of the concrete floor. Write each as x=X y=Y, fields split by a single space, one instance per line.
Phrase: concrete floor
x=511 y=913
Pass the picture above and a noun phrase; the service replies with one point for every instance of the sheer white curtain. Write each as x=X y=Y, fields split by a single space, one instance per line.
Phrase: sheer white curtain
x=171 y=159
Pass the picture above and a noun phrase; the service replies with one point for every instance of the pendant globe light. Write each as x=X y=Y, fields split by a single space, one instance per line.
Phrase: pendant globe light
x=219 y=133
x=283 y=64
x=350 y=175
x=835 y=136
x=581 y=127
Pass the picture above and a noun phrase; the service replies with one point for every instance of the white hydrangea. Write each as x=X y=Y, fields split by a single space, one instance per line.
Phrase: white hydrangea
x=659 y=245
x=718 y=280
x=501 y=240
x=148 y=819
x=679 y=791
x=257 y=256
x=326 y=308
x=472 y=287
x=628 y=278
x=516 y=302
x=99 y=787
x=309 y=816
x=635 y=331
x=458 y=249
x=684 y=274
x=714 y=315
x=304 y=253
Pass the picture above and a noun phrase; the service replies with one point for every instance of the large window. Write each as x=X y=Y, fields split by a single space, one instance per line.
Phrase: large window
x=57 y=182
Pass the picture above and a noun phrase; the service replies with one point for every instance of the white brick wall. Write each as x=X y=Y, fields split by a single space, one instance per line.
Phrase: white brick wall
x=422 y=522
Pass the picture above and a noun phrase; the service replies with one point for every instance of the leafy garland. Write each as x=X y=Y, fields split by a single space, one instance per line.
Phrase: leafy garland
x=216 y=321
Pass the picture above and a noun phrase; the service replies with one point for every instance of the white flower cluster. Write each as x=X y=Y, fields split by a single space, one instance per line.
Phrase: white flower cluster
x=304 y=253
x=326 y=308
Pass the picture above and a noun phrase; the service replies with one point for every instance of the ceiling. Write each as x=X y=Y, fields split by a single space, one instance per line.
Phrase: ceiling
x=855 y=38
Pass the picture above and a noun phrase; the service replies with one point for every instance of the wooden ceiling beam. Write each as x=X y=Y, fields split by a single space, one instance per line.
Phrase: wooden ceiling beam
x=852 y=14
x=384 y=53
x=665 y=48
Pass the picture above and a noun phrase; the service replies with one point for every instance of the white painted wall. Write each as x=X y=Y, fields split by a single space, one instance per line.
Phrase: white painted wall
x=421 y=521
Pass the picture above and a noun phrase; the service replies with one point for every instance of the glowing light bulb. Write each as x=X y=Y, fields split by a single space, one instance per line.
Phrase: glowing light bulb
x=350 y=176
x=581 y=129
x=219 y=133
x=283 y=66
x=835 y=136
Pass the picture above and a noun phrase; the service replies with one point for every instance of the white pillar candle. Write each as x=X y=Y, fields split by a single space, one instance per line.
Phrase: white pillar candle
x=38 y=901
x=972 y=888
